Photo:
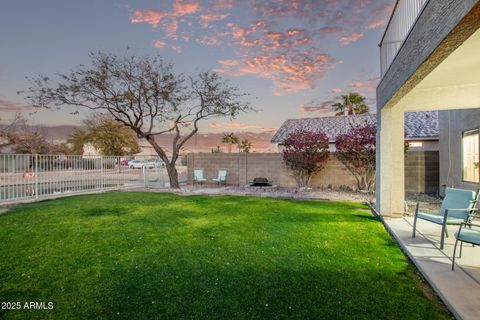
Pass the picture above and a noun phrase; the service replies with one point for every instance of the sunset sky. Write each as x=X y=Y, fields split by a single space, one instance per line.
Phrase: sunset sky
x=294 y=56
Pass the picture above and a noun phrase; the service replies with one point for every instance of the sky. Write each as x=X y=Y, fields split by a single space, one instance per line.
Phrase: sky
x=294 y=57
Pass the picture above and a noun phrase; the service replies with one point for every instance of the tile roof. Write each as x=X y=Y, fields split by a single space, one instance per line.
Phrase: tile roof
x=417 y=125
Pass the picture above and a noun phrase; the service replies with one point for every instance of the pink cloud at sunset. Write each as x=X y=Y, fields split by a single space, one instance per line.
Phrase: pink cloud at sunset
x=288 y=72
x=152 y=17
x=214 y=16
x=170 y=27
x=159 y=44
x=377 y=24
x=346 y=13
x=238 y=127
x=184 y=7
x=169 y=19
x=347 y=39
x=288 y=58
x=330 y=30
x=292 y=56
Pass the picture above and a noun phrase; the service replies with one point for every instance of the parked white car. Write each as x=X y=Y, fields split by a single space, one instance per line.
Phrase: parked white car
x=136 y=164
x=155 y=164
x=150 y=164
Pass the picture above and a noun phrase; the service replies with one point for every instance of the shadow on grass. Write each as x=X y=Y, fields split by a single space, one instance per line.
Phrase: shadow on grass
x=111 y=211
x=319 y=217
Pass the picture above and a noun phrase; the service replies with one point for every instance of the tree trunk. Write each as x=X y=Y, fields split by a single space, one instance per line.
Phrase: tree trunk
x=172 y=175
x=169 y=164
x=309 y=178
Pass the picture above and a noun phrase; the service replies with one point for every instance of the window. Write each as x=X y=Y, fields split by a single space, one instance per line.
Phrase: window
x=471 y=169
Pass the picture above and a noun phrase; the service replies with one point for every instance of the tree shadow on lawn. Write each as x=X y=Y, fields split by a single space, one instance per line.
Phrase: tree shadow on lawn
x=208 y=290
x=105 y=211
x=322 y=217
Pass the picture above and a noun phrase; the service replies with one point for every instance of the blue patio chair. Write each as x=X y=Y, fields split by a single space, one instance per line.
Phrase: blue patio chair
x=198 y=176
x=457 y=207
x=222 y=177
x=469 y=233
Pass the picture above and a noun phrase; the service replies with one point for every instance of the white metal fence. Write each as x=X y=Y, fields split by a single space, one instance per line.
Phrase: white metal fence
x=403 y=18
x=25 y=177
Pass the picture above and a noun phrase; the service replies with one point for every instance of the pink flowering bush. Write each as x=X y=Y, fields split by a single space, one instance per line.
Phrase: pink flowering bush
x=356 y=150
x=305 y=152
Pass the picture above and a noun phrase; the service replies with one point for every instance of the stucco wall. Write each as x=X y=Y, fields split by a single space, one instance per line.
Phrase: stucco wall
x=452 y=125
x=421 y=176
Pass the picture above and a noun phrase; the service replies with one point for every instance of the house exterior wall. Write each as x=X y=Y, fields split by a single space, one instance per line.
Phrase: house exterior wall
x=422 y=173
x=415 y=145
x=452 y=125
x=436 y=21
x=438 y=34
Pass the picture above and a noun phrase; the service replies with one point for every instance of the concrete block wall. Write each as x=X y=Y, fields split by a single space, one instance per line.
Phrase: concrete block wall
x=421 y=170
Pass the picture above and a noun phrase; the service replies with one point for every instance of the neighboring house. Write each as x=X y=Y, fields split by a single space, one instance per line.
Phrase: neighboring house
x=421 y=128
x=459 y=148
x=429 y=58
x=90 y=152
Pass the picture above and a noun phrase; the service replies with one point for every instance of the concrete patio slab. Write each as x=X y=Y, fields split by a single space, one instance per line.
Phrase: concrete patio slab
x=459 y=289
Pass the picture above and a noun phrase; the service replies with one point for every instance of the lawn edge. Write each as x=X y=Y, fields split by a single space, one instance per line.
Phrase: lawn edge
x=440 y=297
x=255 y=195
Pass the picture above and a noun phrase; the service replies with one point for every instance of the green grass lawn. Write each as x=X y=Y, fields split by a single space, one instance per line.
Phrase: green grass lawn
x=161 y=256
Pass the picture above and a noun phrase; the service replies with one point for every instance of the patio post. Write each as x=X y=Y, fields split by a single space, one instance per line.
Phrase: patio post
x=391 y=177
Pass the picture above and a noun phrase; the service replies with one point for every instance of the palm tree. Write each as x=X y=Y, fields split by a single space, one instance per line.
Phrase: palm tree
x=230 y=139
x=245 y=145
x=352 y=103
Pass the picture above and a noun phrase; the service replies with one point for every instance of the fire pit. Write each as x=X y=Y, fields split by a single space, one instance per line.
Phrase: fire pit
x=261 y=184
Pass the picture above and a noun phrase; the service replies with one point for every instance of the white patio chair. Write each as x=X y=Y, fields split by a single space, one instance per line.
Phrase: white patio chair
x=222 y=177
x=198 y=176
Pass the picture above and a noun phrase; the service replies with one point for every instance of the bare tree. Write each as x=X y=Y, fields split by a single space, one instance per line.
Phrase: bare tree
x=25 y=138
x=144 y=94
x=8 y=132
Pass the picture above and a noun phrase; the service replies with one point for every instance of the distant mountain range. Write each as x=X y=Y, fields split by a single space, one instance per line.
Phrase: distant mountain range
x=203 y=142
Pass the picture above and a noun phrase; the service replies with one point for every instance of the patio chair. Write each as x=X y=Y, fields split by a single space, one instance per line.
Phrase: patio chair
x=457 y=207
x=221 y=178
x=198 y=176
x=469 y=233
